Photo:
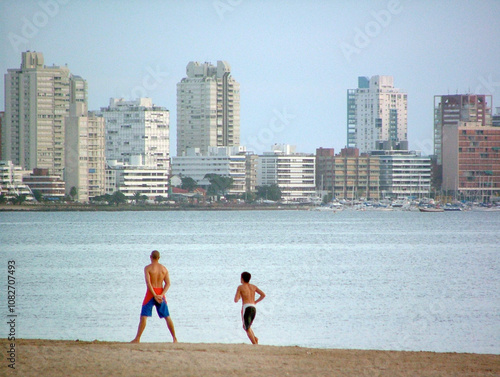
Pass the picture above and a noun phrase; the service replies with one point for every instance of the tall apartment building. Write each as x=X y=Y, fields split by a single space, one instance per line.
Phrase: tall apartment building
x=208 y=108
x=85 y=167
x=294 y=173
x=376 y=112
x=404 y=174
x=224 y=161
x=466 y=144
x=37 y=99
x=449 y=110
x=137 y=128
x=471 y=160
x=2 y=114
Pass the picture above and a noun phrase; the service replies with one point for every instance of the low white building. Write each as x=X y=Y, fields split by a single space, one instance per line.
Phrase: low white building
x=223 y=161
x=11 y=181
x=404 y=174
x=294 y=173
x=136 y=177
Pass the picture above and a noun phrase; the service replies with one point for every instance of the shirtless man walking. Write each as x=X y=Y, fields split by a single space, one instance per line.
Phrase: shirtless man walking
x=155 y=275
x=246 y=292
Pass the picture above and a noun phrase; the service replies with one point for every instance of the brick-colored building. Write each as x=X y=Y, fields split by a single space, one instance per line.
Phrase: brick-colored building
x=471 y=161
x=348 y=174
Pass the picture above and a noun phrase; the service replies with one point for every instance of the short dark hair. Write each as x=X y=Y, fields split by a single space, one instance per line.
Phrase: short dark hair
x=155 y=254
x=246 y=276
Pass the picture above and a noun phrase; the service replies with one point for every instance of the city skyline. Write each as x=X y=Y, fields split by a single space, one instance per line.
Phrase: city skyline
x=294 y=60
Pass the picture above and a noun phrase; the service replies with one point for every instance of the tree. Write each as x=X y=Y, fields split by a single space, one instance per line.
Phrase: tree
x=269 y=192
x=38 y=195
x=188 y=183
x=73 y=192
x=159 y=199
x=250 y=196
x=3 y=199
x=18 y=199
x=219 y=185
x=138 y=197
x=117 y=198
x=102 y=198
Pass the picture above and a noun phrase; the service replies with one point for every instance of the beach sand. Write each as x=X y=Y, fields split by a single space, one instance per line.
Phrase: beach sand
x=75 y=358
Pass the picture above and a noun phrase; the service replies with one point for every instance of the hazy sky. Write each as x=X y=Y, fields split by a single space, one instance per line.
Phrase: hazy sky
x=294 y=59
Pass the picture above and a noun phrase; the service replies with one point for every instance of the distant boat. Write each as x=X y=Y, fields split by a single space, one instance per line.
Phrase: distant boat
x=452 y=208
x=430 y=209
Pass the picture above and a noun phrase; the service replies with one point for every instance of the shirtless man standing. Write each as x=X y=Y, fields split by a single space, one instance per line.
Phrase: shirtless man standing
x=246 y=292
x=155 y=274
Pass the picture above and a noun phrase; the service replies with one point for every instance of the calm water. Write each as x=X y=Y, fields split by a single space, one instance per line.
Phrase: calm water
x=366 y=280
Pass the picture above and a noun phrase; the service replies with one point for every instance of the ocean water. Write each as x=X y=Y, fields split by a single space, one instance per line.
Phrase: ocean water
x=366 y=280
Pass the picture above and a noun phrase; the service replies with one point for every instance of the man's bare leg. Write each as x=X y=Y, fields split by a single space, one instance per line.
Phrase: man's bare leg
x=252 y=337
x=170 y=325
x=140 y=329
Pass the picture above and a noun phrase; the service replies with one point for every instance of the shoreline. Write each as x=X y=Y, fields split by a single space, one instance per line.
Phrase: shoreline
x=136 y=208
x=34 y=357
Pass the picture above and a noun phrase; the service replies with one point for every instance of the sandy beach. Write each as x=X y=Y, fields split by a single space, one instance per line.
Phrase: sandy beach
x=75 y=358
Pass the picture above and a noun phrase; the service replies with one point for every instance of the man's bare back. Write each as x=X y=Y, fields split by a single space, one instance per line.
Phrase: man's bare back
x=247 y=293
x=157 y=273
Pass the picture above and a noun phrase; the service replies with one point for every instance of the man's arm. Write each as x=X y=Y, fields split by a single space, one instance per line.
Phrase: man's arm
x=262 y=295
x=166 y=279
x=238 y=294
x=148 y=281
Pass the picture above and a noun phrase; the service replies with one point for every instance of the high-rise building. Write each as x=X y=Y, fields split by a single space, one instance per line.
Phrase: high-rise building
x=208 y=108
x=85 y=168
x=376 y=112
x=137 y=128
x=37 y=99
x=450 y=110
x=471 y=161
x=2 y=114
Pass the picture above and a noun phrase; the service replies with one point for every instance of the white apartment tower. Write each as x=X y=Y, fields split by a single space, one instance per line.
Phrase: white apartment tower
x=208 y=108
x=85 y=167
x=137 y=128
x=37 y=99
x=376 y=112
